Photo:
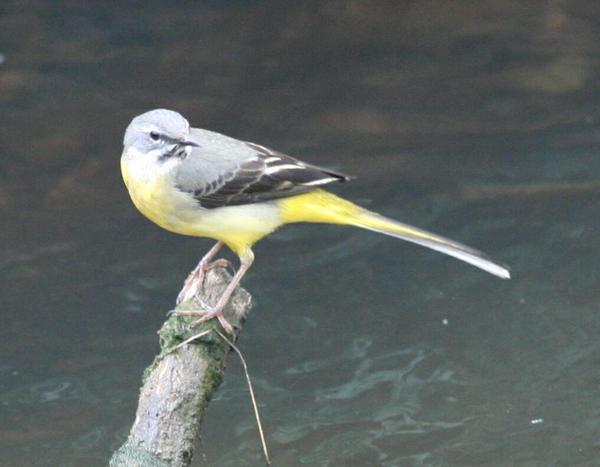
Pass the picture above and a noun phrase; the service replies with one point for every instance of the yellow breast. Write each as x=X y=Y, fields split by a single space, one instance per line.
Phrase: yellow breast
x=154 y=197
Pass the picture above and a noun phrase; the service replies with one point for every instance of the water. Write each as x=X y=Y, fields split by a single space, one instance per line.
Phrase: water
x=478 y=120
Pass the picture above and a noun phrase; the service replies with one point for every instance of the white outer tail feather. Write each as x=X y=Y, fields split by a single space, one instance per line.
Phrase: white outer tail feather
x=380 y=224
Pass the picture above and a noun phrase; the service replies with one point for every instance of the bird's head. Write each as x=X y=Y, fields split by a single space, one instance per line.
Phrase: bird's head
x=158 y=136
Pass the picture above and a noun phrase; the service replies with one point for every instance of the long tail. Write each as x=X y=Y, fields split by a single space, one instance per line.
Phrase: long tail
x=322 y=206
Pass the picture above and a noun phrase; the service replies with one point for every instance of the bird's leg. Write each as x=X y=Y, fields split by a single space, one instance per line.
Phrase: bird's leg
x=246 y=259
x=195 y=278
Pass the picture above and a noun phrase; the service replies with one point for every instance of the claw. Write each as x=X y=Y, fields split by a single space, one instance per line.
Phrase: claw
x=205 y=316
x=195 y=279
x=194 y=282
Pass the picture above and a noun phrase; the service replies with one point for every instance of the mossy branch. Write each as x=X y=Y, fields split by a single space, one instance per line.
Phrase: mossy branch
x=178 y=385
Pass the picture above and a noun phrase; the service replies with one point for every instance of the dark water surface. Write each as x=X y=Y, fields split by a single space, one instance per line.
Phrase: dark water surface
x=478 y=120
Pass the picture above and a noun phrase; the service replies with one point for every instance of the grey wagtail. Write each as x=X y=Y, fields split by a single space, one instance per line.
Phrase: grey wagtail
x=205 y=184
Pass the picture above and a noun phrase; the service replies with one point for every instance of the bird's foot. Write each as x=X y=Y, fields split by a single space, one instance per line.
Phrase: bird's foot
x=195 y=279
x=205 y=315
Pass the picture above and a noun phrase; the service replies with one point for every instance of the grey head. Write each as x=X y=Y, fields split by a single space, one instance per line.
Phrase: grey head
x=160 y=132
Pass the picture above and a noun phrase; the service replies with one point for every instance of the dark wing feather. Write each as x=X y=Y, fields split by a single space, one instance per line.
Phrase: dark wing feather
x=266 y=175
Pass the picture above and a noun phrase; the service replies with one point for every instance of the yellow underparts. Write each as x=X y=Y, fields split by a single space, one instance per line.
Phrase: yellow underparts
x=239 y=227
x=154 y=193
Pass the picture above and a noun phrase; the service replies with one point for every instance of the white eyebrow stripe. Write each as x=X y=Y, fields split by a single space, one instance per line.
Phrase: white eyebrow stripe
x=277 y=168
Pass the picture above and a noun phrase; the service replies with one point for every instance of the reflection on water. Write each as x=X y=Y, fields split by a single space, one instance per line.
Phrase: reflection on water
x=477 y=120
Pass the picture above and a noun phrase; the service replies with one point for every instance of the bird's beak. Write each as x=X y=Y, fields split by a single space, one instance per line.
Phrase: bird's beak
x=190 y=141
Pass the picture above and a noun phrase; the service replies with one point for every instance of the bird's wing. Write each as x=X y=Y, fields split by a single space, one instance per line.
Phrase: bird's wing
x=227 y=172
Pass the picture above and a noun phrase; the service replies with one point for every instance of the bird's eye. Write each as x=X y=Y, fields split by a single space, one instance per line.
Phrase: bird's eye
x=154 y=135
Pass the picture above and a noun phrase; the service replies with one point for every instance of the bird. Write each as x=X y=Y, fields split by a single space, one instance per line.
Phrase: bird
x=201 y=183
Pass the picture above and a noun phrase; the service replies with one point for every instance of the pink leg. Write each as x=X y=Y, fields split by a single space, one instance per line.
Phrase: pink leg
x=195 y=278
x=246 y=260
